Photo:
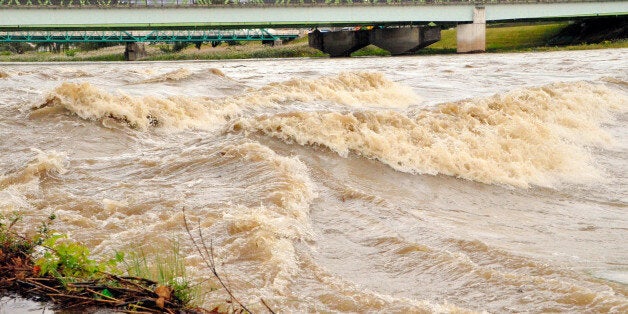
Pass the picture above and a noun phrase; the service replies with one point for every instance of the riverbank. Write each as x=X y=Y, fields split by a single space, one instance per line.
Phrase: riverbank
x=499 y=38
x=42 y=270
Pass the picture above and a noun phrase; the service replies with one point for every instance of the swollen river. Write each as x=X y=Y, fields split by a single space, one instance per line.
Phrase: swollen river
x=464 y=183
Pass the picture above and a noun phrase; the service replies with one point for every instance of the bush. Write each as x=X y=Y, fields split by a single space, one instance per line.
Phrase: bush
x=67 y=274
x=179 y=45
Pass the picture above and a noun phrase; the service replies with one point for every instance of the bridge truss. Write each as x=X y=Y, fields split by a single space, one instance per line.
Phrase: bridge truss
x=167 y=36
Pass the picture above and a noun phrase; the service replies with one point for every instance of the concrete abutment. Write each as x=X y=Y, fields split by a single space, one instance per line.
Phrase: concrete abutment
x=398 y=41
x=134 y=51
x=470 y=37
x=404 y=40
x=339 y=44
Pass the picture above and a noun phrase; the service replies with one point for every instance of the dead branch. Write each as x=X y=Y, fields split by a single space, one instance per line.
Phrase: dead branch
x=208 y=258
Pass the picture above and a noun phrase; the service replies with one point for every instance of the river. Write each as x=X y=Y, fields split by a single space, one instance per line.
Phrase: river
x=458 y=183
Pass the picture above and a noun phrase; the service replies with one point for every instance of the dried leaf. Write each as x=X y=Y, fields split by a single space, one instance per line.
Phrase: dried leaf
x=164 y=292
x=160 y=302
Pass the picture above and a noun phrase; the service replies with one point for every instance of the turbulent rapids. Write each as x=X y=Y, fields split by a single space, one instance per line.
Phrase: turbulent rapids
x=329 y=188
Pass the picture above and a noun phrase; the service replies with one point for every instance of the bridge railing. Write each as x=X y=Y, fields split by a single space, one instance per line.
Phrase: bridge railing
x=168 y=36
x=248 y=3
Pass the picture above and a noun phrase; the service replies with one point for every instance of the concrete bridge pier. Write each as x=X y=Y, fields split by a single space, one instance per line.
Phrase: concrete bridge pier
x=404 y=40
x=472 y=37
x=134 y=51
x=338 y=44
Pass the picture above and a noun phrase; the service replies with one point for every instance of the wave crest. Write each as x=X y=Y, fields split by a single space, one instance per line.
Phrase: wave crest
x=45 y=163
x=529 y=136
x=91 y=103
x=180 y=112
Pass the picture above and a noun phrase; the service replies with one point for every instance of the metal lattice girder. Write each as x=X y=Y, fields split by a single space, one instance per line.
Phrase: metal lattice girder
x=141 y=36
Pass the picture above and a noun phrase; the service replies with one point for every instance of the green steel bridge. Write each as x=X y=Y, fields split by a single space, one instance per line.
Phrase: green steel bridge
x=119 y=36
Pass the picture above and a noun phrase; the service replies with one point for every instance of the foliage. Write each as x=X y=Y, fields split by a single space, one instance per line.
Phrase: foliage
x=66 y=259
x=168 y=270
x=165 y=48
x=70 y=52
x=502 y=37
x=89 y=46
x=17 y=48
x=507 y=37
x=10 y=242
x=370 y=50
x=179 y=45
x=65 y=272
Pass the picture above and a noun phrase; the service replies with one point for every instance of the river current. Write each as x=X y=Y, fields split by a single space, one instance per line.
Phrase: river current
x=465 y=183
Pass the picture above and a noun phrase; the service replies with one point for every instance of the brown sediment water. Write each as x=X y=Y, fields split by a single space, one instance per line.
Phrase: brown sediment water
x=414 y=184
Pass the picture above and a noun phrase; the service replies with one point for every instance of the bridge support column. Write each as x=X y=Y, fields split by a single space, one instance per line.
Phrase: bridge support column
x=134 y=51
x=404 y=40
x=472 y=37
x=338 y=44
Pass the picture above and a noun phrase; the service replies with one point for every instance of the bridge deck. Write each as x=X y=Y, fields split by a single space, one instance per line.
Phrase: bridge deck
x=257 y=3
x=213 y=14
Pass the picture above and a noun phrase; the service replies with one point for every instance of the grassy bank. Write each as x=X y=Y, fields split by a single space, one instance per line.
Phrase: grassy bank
x=47 y=266
x=499 y=38
x=505 y=38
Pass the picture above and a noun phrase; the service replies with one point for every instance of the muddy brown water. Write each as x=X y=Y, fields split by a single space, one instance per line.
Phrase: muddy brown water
x=489 y=182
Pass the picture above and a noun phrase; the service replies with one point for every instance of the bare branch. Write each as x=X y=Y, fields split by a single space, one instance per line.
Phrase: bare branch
x=208 y=257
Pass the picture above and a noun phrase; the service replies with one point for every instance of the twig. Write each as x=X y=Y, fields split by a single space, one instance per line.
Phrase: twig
x=83 y=298
x=267 y=307
x=102 y=295
x=126 y=280
x=208 y=258
x=125 y=290
x=77 y=304
x=35 y=283
x=134 y=304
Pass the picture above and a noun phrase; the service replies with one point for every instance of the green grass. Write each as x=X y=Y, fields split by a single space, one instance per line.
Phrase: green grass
x=167 y=269
x=513 y=38
x=67 y=267
x=370 y=50
x=287 y=51
x=58 y=57
x=503 y=38
x=499 y=38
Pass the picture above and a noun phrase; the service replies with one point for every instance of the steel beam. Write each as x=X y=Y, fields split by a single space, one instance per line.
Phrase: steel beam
x=152 y=36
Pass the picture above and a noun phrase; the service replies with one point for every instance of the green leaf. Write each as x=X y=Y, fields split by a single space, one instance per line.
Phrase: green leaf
x=106 y=292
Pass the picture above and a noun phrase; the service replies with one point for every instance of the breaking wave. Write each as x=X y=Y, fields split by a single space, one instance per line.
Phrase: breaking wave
x=533 y=136
x=351 y=88
x=17 y=187
x=180 y=112
x=175 y=75
x=44 y=163
x=265 y=234
x=91 y=103
x=182 y=74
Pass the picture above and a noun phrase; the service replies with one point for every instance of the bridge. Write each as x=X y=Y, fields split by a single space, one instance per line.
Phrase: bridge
x=398 y=23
